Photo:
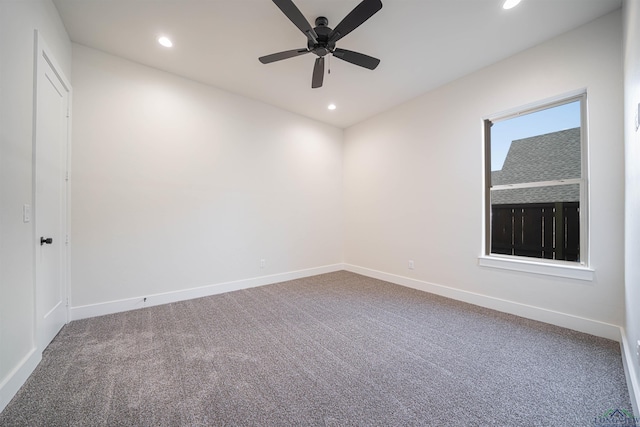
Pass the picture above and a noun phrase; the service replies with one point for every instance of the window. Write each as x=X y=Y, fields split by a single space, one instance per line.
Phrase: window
x=536 y=182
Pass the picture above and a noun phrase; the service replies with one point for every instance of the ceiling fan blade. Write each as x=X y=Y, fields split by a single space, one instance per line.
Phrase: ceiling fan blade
x=318 y=73
x=293 y=13
x=267 y=59
x=365 y=10
x=357 y=58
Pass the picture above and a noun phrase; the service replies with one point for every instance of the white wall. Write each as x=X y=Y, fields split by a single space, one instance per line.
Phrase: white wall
x=178 y=185
x=18 y=20
x=632 y=188
x=414 y=182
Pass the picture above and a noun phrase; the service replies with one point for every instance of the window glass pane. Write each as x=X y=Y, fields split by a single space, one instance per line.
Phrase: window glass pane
x=533 y=213
x=539 y=230
x=539 y=146
x=539 y=222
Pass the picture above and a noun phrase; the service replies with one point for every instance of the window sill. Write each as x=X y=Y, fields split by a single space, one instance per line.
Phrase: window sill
x=578 y=272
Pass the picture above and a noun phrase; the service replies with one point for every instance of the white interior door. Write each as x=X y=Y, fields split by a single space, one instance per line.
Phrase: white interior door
x=50 y=177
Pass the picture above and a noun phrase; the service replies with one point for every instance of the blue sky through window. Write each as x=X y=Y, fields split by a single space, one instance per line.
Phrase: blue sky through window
x=566 y=116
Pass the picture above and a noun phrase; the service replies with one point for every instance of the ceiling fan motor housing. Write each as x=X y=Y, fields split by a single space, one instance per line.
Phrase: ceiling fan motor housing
x=322 y=47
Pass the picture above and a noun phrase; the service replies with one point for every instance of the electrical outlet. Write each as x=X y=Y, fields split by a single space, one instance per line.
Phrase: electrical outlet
x=263 y=263
x=411 y=265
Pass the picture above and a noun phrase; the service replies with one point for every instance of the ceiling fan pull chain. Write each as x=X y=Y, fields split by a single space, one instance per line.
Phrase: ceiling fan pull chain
x=329 y=68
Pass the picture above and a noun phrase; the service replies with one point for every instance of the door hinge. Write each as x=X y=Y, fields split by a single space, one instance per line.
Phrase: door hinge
x=68 y=113
x=66 y=239
x=66 y=176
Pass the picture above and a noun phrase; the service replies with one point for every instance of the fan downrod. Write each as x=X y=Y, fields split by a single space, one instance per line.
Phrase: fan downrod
x=321 y=21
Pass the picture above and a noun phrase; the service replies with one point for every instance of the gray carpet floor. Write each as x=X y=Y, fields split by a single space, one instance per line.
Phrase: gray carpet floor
x=336 y=349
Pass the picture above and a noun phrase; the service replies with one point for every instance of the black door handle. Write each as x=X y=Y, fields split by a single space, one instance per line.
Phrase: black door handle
x=48 y=241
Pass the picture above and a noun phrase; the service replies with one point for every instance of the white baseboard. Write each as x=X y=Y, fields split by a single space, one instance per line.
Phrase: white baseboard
x=629 y=362
x=569 y=321
x=16 y=378
x=110 y=307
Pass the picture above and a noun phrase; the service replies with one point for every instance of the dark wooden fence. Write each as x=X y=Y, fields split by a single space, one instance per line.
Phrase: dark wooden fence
x=541 y=230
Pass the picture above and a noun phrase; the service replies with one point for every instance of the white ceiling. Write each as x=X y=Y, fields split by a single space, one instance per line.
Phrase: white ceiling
x=422 y=44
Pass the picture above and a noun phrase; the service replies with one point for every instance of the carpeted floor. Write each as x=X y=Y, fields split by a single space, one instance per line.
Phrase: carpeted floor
x=335 y=349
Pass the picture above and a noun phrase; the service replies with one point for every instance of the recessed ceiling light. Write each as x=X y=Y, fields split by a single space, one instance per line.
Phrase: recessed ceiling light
x=164 y=41
x=332 y=106
x=508 y=4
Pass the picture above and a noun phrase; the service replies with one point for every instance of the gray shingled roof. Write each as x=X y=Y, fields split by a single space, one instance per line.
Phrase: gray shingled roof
x=547 y=157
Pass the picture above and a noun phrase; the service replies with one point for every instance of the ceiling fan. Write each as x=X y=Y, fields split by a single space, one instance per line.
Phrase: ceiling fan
x=321 y=40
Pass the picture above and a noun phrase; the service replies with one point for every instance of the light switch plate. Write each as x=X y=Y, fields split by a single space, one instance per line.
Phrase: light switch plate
x=26 y=213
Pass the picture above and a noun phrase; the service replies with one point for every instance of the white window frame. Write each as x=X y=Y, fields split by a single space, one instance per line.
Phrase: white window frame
x=569 y=269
